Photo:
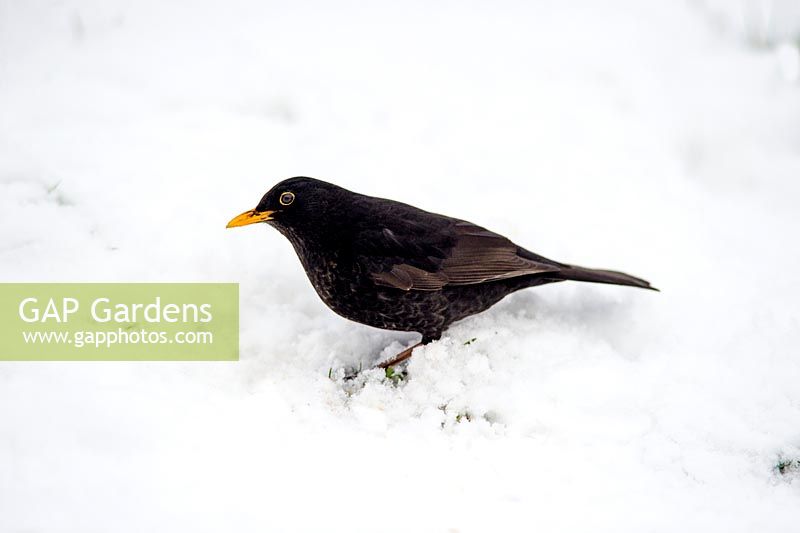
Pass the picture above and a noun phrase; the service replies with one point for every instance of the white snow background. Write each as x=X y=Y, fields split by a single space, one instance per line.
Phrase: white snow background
x=657 y=138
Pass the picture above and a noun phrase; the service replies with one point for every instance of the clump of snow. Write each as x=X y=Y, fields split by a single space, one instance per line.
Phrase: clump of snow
x=618 y=135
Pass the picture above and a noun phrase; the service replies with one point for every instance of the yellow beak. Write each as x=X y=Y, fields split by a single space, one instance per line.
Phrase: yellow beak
x=250 y=217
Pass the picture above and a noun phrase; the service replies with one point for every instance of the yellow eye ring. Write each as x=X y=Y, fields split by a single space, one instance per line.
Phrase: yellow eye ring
x=286 y=198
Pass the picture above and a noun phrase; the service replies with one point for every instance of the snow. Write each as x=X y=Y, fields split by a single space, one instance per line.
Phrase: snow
x=660 y=139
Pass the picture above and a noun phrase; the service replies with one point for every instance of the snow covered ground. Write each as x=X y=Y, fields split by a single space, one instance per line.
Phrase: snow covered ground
x=658 y=138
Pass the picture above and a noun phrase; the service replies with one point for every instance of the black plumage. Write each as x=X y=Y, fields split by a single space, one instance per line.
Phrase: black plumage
x=394 y=266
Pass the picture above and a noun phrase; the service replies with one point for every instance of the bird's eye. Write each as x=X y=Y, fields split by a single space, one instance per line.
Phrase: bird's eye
x=286 y=198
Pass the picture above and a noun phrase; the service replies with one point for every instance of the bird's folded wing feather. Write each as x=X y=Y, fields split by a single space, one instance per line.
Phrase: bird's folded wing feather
x=460 y=254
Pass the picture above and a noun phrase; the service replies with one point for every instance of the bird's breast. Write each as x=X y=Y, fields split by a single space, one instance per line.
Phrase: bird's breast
x=334 y=279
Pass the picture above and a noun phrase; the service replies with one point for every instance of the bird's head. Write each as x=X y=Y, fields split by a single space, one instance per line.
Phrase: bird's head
x=294 y=204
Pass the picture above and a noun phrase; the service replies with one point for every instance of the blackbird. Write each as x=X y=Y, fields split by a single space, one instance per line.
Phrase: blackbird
x=393 y=266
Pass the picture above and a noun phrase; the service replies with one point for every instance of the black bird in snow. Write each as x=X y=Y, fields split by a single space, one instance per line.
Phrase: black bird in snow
x=393 y=266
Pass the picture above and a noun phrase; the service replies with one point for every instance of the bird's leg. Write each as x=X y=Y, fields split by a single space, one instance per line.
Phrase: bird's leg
x=405 y=354
x=399 y=358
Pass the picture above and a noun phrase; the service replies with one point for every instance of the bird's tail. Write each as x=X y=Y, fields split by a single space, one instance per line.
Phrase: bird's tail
x=577 y=273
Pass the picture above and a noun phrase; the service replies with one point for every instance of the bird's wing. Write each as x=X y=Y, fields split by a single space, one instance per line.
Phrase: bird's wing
x=459 y=254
